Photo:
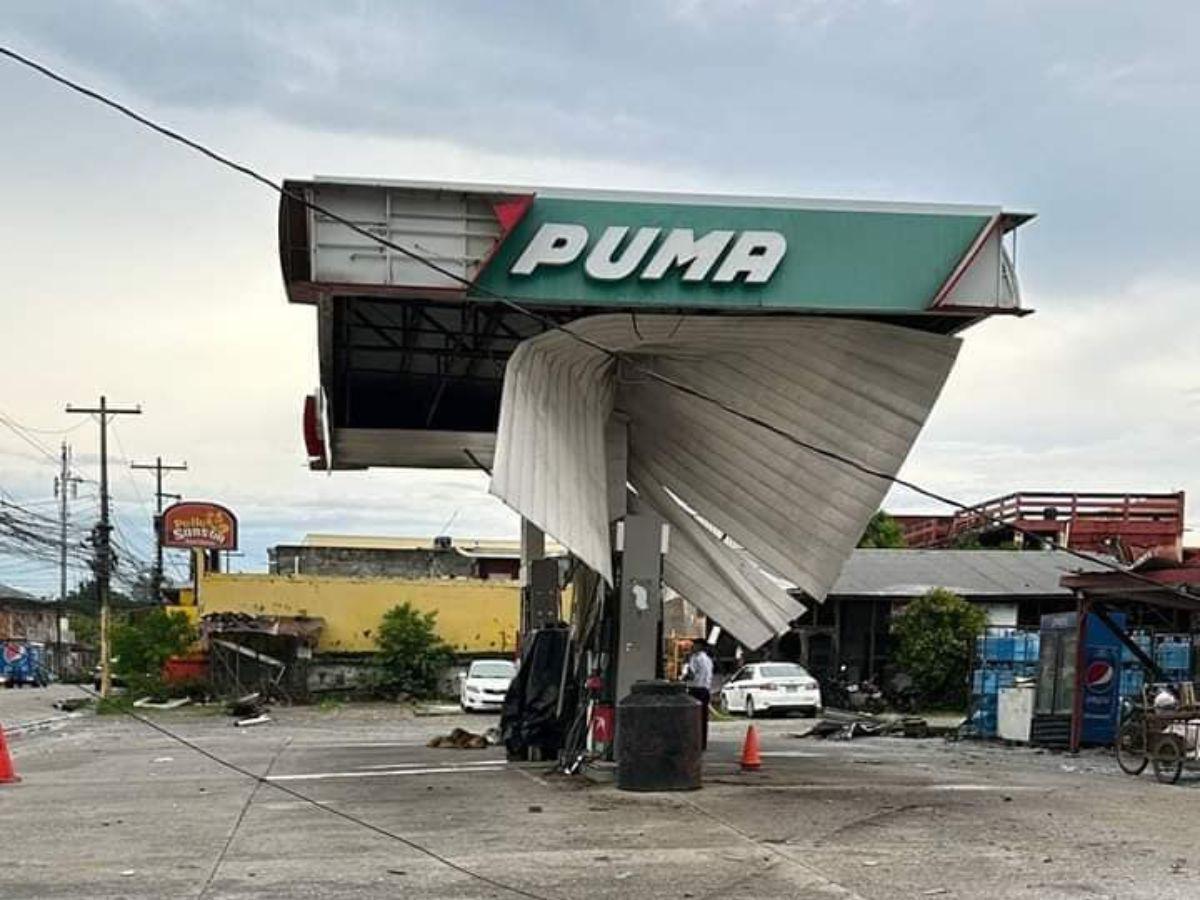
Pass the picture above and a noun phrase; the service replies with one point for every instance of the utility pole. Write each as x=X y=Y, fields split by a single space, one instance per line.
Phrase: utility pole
x=64 y=481
x=104 y=531
x=158 y=467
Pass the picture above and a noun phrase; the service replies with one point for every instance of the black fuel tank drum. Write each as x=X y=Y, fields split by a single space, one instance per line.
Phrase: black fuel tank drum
x=658 y=738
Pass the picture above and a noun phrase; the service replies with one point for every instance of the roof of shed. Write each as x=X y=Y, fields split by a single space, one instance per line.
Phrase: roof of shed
x=974 y=573
x=12 y=593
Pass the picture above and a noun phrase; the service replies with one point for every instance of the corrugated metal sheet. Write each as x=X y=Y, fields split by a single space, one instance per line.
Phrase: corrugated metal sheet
x=910 y=573
x=862 y=389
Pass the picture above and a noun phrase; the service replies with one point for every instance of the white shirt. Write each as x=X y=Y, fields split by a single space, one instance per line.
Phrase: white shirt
x=700 y=670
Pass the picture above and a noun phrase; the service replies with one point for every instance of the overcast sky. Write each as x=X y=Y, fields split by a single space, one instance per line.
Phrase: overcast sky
x=133 y=267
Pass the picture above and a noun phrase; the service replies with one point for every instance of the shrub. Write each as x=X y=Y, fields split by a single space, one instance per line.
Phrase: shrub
x=411 y=654
x=933 y=643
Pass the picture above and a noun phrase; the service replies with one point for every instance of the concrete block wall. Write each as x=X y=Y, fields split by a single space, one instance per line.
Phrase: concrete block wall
x=358 y=562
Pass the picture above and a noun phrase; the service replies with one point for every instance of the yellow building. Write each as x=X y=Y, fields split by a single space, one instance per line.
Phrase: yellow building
x=472 y=616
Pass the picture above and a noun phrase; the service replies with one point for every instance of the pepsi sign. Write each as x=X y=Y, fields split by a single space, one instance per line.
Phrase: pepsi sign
x=14 y=653
x=1100 y=676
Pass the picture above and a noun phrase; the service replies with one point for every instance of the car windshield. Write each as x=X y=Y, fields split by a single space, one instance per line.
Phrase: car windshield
x=497 y=668
x=782 y=670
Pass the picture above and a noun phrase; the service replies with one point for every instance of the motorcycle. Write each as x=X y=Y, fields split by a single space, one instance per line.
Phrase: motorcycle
x=854 y=696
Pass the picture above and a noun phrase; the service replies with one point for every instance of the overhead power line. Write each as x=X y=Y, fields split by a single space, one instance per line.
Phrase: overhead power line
x=51 y=431
x=33 y=442
x=550 y=324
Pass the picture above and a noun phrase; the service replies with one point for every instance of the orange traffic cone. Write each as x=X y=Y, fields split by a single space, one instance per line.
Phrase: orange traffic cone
x=7 y=774
x=751 y=759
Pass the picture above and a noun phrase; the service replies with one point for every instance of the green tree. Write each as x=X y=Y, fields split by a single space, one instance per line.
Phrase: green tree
x=86 y=629
x=143 y=642
x=933 y=643
x=411 y=654
x=85 y=597
x=882 y=531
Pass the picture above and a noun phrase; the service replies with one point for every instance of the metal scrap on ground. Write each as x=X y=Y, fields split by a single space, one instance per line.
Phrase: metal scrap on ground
x=461 y=739
x=869 y=726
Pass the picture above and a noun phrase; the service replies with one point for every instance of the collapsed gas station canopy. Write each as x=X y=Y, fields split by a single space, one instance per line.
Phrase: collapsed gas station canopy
x=828 y=319
x=737 y=496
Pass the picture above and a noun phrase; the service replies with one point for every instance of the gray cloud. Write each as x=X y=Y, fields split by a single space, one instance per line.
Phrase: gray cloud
x=133 y=267
x=1075 y=109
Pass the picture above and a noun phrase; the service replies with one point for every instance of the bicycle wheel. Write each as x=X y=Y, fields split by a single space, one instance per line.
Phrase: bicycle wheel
x=1131 y=748
x=1168 y=758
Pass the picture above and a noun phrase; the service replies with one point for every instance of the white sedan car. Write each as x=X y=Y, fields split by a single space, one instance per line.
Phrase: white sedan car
x=485 y=684
x=761 y=688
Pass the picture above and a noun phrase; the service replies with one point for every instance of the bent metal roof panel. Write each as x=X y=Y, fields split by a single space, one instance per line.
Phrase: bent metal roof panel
x=859 y=389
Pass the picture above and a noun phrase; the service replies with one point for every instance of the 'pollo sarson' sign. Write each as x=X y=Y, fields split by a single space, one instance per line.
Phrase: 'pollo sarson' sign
x=199 y=526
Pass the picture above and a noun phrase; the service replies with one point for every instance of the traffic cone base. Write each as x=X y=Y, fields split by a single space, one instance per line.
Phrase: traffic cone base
x=7 y=774
x=751 y=758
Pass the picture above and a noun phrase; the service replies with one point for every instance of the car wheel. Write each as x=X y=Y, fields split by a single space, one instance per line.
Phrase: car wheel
x=749 y=707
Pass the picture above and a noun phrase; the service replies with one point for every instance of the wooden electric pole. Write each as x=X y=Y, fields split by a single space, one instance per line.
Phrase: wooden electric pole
x=158 y=467
x=103 y=539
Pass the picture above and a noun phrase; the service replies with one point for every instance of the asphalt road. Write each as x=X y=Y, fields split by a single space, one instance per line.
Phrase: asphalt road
x=108 y=808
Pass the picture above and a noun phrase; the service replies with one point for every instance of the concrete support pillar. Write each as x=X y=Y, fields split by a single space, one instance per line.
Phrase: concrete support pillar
x=533 y=546
x=616 y=445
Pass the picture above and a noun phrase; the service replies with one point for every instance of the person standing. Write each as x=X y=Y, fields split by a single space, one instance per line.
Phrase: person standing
x=699 y=673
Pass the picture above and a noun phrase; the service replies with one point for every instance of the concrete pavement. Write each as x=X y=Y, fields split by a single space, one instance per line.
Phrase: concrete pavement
x=109 y=809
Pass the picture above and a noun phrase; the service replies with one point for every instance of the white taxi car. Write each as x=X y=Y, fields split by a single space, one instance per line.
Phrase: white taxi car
x=485 y=684
x=761 y=688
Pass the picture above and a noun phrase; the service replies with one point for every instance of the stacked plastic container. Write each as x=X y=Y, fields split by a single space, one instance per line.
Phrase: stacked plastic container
x=1172 y=653
x=1132 y=676
x=1001 y=657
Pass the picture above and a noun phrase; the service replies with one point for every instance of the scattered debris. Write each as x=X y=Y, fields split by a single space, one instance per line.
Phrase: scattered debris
x=621 y=876
x=247 y=707
x=870 y=863
x=73 y=704
x=256 y=720
x=845 y=729
x=128 y=872
x=148 y=703
x=933 y=892
x=535 y=808
x=164 y=759
x=461 y=739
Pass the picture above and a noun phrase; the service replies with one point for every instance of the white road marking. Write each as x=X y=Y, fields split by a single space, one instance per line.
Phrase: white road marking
x=983 y=787
x=440 y=770
x=418 y=765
